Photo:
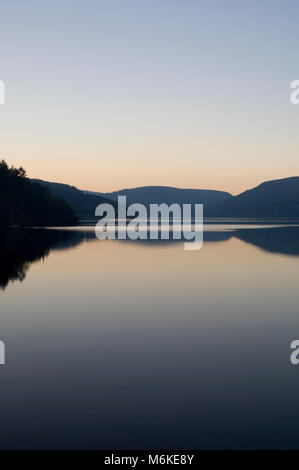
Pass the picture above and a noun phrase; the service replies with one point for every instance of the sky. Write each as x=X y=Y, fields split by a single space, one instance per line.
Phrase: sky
x=106 y=95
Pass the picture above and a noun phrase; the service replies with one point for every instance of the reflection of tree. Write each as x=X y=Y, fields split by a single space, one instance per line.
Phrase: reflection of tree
x=19 y=248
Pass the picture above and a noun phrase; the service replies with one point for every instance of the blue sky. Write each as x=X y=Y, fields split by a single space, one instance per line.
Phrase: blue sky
x=112 y=94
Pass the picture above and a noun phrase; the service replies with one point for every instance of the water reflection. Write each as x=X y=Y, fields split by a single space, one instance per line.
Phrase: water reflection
x=134 y=345
x=283 y=240
x=19 y=248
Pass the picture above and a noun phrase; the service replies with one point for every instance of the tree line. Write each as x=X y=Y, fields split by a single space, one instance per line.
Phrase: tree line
x=26 y=203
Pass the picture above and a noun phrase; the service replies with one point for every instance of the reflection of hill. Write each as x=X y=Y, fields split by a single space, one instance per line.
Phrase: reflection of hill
x=209 y=236
x=21 y=247
x=284 y=240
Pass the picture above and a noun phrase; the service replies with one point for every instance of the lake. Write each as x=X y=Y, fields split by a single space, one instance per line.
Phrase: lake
x=143 y=345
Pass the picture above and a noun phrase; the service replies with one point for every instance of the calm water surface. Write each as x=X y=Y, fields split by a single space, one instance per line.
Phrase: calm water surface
x=127 y=345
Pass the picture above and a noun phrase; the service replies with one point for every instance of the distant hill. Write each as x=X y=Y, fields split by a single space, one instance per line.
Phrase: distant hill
x=277 y=198
x=164 y=194
x=84 y=204
x=23 y=202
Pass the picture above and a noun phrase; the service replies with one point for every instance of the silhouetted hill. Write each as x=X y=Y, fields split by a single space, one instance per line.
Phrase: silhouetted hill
x=164 y=194
x=84 y=204
x=277 y=198
x=23 y=202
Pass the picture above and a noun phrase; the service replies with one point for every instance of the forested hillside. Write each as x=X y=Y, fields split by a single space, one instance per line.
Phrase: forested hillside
x=23 y=202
